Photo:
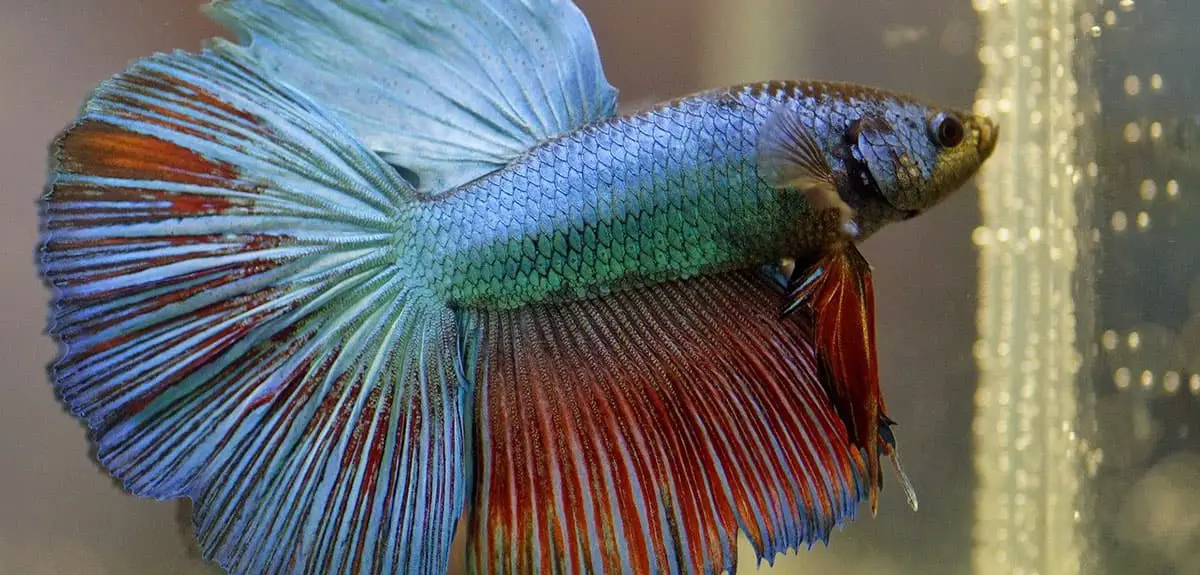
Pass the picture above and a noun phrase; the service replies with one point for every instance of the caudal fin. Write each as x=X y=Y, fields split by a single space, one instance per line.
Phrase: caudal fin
x=237 y=325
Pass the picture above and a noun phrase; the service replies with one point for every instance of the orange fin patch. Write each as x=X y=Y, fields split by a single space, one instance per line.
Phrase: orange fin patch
x=640 y=431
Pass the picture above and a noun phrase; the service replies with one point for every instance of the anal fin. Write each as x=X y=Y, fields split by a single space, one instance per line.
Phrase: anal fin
x=640 y=431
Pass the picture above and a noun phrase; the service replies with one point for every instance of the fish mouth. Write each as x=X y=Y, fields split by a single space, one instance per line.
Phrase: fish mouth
x=989 y=132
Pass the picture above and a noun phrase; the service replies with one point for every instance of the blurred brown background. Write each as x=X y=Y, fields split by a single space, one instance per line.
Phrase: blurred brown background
x=61 y=514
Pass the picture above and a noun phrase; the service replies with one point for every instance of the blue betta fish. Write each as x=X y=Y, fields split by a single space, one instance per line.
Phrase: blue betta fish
x=377 y=267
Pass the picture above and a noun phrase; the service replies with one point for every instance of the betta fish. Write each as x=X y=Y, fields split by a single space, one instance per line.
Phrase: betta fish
x=372 y=268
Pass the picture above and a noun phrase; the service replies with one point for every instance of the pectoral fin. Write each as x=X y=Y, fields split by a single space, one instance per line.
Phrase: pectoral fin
x=838 y=290
x=790 y=157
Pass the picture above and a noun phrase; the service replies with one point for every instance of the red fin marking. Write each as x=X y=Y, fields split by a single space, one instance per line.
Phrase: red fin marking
x=638 y=432
x=104 y=150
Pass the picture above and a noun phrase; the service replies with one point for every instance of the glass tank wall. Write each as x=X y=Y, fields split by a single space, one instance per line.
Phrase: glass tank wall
x=1028 y=445
x=1146 y=237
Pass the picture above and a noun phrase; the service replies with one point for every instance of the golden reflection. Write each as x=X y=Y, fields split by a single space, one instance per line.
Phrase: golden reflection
x=1029 y=453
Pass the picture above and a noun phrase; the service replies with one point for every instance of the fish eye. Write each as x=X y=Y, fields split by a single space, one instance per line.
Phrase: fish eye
x=948 y=130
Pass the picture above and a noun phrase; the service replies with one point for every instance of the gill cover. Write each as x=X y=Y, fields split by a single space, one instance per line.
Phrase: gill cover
x=899 y=160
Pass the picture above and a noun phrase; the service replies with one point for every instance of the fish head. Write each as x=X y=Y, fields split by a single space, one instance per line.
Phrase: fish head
x=917 y=155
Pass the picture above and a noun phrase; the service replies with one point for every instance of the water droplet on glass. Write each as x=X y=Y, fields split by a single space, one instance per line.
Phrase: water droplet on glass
x=1133 y=133
x=1132 y=85
x=1171 y=382
x=1119 y=221
x=1109 y=340
x=1122 y=377
x=1148 y=190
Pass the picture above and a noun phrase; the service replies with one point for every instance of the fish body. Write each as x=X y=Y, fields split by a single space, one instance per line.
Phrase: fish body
x=669 y=193
x=377 y=267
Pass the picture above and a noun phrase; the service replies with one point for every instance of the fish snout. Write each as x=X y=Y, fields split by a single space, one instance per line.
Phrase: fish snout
x=989 y=131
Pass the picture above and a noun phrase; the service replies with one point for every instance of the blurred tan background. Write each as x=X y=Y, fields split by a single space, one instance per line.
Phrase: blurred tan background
x=61 y=514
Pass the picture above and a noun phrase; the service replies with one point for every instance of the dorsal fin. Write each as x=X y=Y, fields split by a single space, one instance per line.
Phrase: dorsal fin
x=446 y=90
